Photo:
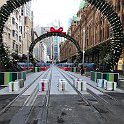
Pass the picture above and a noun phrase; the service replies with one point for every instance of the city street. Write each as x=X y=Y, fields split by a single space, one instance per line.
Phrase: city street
x=62 y=61
x=62 y=106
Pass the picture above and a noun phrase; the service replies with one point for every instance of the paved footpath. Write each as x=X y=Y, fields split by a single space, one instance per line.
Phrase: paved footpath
x=87 y=79
x=55 y=83
x=29 y=79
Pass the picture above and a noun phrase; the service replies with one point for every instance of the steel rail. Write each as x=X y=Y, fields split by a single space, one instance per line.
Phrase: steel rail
x=7 y=106
x=107 y=95
x=43 y=114
x=35 y=95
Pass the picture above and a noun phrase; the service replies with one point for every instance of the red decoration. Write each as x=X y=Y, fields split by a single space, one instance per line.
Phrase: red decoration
x=52 y=29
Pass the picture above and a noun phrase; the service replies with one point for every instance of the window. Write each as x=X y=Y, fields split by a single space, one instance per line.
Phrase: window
x=16 y=26
x=9 y=35
x=16 y=36
x=13 y=44
x=13 y=33
x=20 y=29
x=19 y=48
x=22 y=12
x=13 y=21
x=20 y=38
x=19 y=18
x=16 y=47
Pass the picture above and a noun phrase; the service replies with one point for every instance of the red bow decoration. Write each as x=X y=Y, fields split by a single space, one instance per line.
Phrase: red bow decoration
x=52 y=29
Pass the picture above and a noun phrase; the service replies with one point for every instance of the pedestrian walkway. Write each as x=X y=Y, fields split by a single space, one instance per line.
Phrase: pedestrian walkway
x=55 y=84
x=29 y=79
x=88 y=80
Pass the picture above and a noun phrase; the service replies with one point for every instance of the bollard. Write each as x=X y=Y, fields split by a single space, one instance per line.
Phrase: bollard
x=80 y=84
x=100 y=83
x=62 y=86
x=43 y=85
x=111 y=85
x=11 y=86
x=16 y=86
x=21 y=83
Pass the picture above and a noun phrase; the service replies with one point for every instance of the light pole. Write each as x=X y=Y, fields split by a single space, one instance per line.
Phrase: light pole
x=27 y=50
x=83 y=45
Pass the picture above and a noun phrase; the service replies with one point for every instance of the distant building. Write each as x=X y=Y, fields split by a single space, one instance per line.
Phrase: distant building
x=17 y=31
x=45 y=44
x=92 y=30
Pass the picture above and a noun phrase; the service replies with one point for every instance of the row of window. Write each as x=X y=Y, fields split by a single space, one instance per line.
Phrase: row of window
x=15 y=34
x=16 y=46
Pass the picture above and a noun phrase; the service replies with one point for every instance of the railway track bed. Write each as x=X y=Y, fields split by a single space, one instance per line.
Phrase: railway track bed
x=68 y=106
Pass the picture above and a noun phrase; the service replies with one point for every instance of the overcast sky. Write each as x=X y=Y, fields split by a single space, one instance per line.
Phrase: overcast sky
x=47 y=11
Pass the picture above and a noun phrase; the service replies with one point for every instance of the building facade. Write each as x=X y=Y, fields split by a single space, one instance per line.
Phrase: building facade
x=93 y=33
x=17 y=34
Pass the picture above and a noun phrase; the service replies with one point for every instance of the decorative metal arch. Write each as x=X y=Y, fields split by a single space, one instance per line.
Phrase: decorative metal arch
x=60 y=34
x=111 y=57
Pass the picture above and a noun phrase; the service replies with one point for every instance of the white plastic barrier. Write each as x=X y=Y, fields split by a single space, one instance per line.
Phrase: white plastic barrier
x=14 y=86
x=43 y=85
x=105 y=83
x=11 y=86
x=62 y=86
x=21 y=83
x=111 y=85
x=101 y=83
x=80 y=84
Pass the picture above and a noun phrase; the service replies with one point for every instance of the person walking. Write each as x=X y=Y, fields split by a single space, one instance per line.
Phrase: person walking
x=82 y=70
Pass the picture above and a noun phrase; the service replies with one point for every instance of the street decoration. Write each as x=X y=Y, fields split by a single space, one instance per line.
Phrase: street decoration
x=56 y=32
x=59 y=30
x=112 y=56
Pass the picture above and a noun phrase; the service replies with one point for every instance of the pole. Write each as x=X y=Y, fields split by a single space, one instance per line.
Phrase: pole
x=83 y=44
x=27 y=51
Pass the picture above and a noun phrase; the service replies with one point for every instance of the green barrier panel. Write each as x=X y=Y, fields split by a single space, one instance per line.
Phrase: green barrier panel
x=93 y=76
x=1 y=78
x=107 y=76
x=98 y=75
x=19 y=75
x=37 y=69
x=6 y=77
x=74 y=69
x=23 y=75
x=14 y=76
x=111 y=76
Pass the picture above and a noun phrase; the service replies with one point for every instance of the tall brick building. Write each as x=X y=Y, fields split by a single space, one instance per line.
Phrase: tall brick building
x=93 y=33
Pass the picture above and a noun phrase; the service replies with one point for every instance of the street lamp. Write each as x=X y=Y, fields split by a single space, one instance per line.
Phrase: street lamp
x=83 y=45
x=27 y=50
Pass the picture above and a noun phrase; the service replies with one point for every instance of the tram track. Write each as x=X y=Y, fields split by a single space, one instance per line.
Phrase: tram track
x=106 y=101
x=22 y=101
x=42 y=116
x=27 y=107
x=7 y=106
x=103 y=108
x=107 y=98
